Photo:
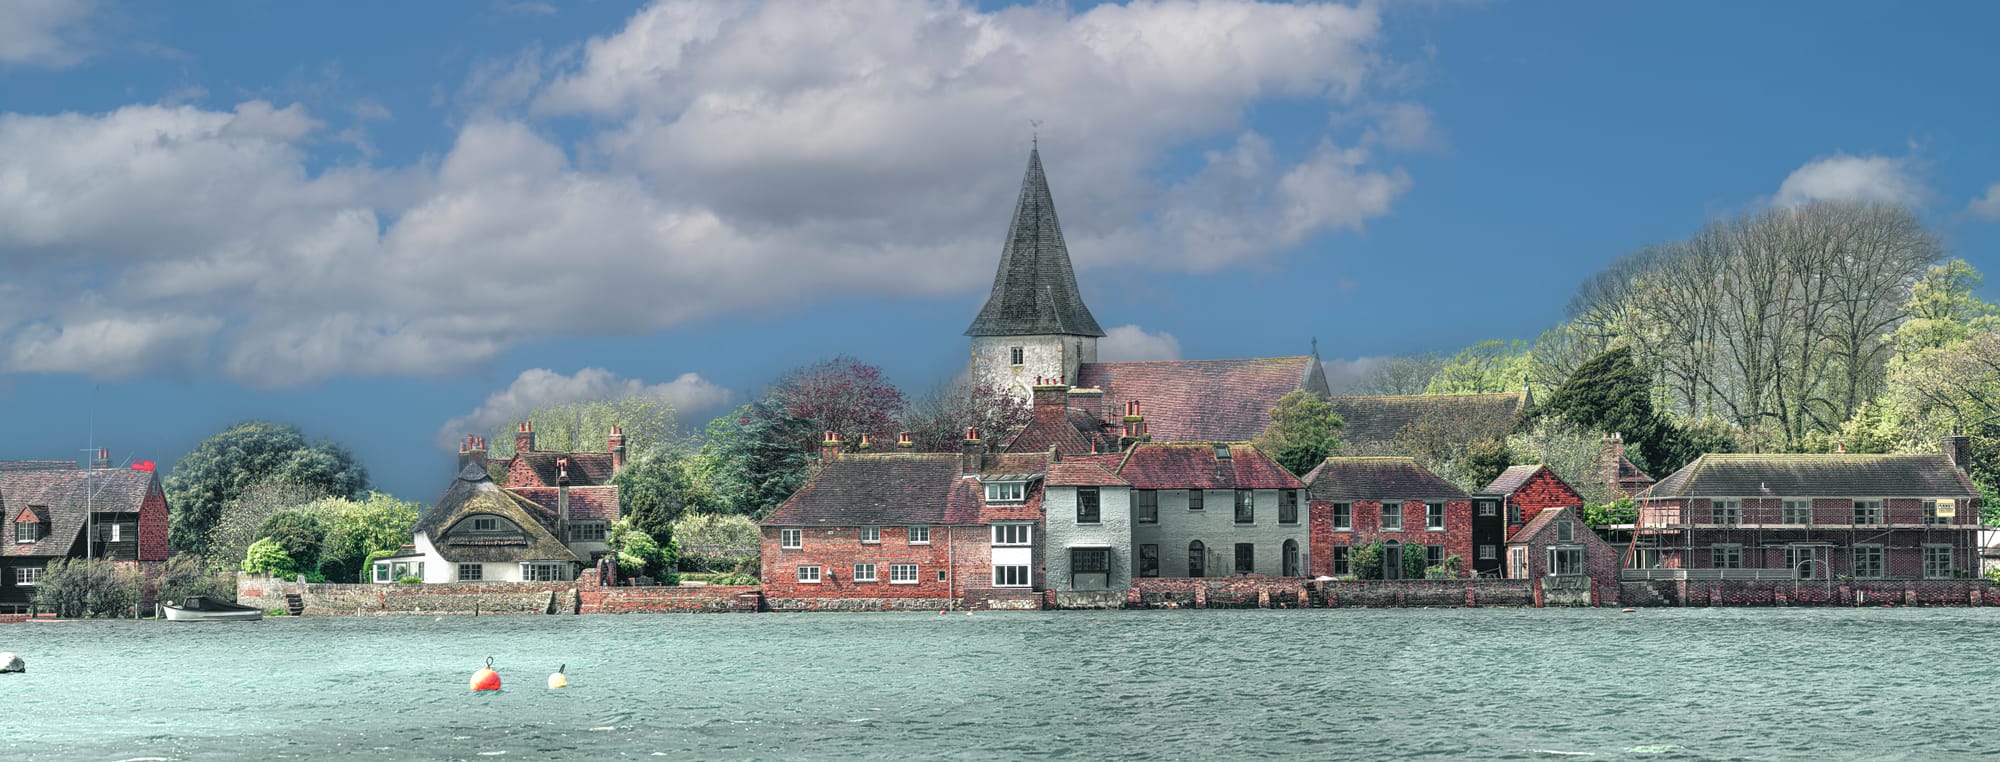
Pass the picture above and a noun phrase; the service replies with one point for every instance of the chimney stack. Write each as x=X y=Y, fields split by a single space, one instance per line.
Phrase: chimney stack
x=562 y=499
x=1611 y=447
x=471 y=451
x=1135 y=425
x=1051 y=401
x=615 y=444
x=829 y=447
x=904 y=442
x=864 y=444
x=101 y=459
x=1957 y=449
x=971 y=453
x=524 y=437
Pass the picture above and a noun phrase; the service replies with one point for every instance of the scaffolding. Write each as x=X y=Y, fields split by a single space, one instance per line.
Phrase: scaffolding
x=1674 y=538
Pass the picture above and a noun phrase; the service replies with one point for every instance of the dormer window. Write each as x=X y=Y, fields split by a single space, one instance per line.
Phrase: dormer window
x=485 y=525
x=1222 y=452
x=27 y=531
x=1006 y=492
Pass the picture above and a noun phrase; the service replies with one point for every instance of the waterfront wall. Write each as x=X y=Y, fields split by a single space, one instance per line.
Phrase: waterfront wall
x=470 y=598
x=1216 y=593
x=1912 y=592
x=1428 y=593
x=740 y=599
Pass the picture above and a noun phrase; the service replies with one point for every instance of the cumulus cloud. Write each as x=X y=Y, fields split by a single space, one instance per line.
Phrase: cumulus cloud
x=1130 y=343
x=1987 y=207
x=541 y=387
x=711 y=177
x=43 y=32
x=1841 y=177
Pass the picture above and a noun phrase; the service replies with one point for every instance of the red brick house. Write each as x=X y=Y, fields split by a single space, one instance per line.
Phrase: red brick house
x=55 y=510
x=1573 y=566
x=1394 y=501
x=1811 y=516
x=1526 y=491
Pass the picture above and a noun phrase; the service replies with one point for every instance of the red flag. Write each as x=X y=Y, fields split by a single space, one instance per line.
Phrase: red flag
x=144 y=465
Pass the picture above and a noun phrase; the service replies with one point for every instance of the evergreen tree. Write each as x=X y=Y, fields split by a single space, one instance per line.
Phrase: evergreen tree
x=762 y=454
x=1610 y=393
x=219 y=470
x=1304 y=430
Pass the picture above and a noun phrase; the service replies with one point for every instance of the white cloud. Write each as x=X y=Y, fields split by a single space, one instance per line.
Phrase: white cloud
x=1987 y=207
x=541 y=387
x=1841 y=177
x=43 y=32
x=1343 y=375
x=1130 y=343
x=713 y=178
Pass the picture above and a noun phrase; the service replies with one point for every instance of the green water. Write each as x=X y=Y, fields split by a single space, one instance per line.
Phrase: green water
x=1479 y=684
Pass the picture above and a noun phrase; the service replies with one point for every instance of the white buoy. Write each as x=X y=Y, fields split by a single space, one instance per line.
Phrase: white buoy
x=559 y=680
x=12 y=663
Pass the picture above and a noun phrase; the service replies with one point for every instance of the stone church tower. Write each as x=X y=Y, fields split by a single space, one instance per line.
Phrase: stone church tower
x=1034 y=325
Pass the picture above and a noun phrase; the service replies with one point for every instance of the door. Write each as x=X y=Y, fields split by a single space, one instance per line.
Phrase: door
x=1392 y=561
x=1489 y=534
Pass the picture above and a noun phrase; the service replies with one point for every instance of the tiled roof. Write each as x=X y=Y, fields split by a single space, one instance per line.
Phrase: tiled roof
x=474 y=493
x=1736 y=475
x=1034 y=290
x=1082 y=475
x=1346 y=479
x=886 y=489
x=1193 y=465
x=69 y=496
x=585 y=503
x=1373 y=422
x=1041 y=435
x=37 y=465
x=1511 y=480
x=1543 y=519
x=1203 y=400
x=586 y=469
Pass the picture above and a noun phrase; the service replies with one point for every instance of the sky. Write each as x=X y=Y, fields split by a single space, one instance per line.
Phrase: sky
x=392 y=224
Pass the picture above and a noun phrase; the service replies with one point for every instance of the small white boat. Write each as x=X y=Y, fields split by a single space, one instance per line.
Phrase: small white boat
x=199 y=608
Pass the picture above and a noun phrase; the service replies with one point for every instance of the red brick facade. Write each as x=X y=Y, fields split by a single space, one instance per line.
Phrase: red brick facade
x=1540 y=492
x=1530 y=548
x=837 y=549
x=1365 y=526
x=153 y=524
x=1763 y=535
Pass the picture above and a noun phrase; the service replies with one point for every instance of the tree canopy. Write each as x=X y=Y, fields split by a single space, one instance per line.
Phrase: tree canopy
x=223 y=466
x=1304 y=429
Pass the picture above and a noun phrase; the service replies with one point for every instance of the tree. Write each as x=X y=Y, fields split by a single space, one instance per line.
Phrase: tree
x=75 y=588
x=1945 y=311
x=641 y=555
x=187 y=575
x=223 y=466
x=655 y=488
x=241 y=518
x=1401 y=375
x=1575 y=453
x=300 y=533
x=1485 y=459
x=937 y=420
x=266 y=558
x=357 y=529
x=718 y=543
x=1600 y=515
x=1304 y=429
x=841 y=395
x=647 y=421
x=1489 y=367
x=763 y=451
x=1611 y=394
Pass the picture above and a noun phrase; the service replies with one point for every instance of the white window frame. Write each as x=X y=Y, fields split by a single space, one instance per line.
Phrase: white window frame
x=1804 y=554
x=1489 y=508
x=1343 y=517
x=1560 y=551
x=542 y=571
x=1787 y=506
x=1930 y=513
x=1398 y=505
x=920 y=535
x=1340 y=560
x=1016 y=355
x=1881 y=560
x=1006 y=493
x=116 y=535
x=871 y=535
x=904 y=574
x=1437 y=510
x=27 y=576
x=479 y=572
x=1950 y=556
x=865 y=573
x=34 y=530
x=382 y=572
x=809 y=575
x=1876 y=512
x=1566 y=531
x=1027 y=577
x=485 y=524
x=1008 y=538
x=1197 y=499
x=791 y=539
x=588 y=531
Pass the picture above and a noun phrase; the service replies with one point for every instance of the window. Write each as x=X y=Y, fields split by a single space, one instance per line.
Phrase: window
x=1246 y=507
x=1343 y=517
x=1014 y=355
x=1434 y=555
x=920 y=535
x=1801 y=560
x=1566 y=531
x=1565 y=562
x=1517 y=562
x=1338 y=555
x=1222 y=452
x=1288 y=508
x=940 y=575
x=902 y=574
x=1145 y=506
x=1937 y=561
x=544 y=572
x=1010 y=576
x=1149 y=560
x=871 y=535
x=864 y=572
x=1089 y=561
x=809 y=575
x=1725 y=556
x=791 y=539
x=485 y=525
x=1291 y=559
x=382 y=572
x=1727 y=513
x=109 y=532
x=1246 y=557
x=1931 y=513
x=1489 y=552
x=471 y=572
x=1013 y=534
x=27 y=576
x=1434 y=517
x=1086 y=505
x=27 y=531
x=1867 y=561
x=1795 y=512
x=1392 y=517
x=587 y=531
x=1197 y=559
x=1513 y=514
x=1867 y=511
x=1488 y=509
x=1006 y=492
x=1194 y=499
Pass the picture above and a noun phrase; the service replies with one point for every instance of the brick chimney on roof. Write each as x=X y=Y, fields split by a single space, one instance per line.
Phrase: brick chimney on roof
x=1957 y=448
x=904 y=442
x=971 y=453
x=562 y=499
x=829 y=447
x=1135 y=426
x=615 y=444
x=1051 y=401
x=470 y=451
x=101 y=458
x=524 y=437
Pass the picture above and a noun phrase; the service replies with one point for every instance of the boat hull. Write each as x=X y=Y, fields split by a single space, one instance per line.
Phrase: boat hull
x=177 y=614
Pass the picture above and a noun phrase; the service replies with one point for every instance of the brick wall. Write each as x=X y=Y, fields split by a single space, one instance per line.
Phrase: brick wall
x=153 y=525
x=1542 y=491
x=1231 y=592
x=1923 y=592
x=654 y=600
x=1445 y=593
x=837 y=549
x=1601 y=560
x=1367 y=528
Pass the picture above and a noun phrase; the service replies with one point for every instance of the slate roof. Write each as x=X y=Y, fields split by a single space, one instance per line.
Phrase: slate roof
x=1203 y=400
x=1346 y=479
x=1841 y=475
x=1511 y=480
x=586 y=469
x=1063 y=435
x=1373 y=422
x=473 y=492
x=1082 y=475
x=1544 y=518
x=886 y=489
x=585 y=503
x=1193 y=465
x=38 y=465
x=68 y=495
x=1034 y=290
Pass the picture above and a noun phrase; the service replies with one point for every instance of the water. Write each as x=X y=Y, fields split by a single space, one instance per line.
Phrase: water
x=1467 y=684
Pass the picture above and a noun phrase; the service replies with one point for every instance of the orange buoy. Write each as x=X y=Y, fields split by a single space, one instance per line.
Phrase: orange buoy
x=486 y=679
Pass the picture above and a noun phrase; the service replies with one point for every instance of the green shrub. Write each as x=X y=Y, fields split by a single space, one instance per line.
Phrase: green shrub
x=266 y=558
x=187 y=574
x=640 y=555
x=1414 y=561
x=412 y=580
x=78 y=588
x=300 y=532
x=719 y=578
x=1366 y=561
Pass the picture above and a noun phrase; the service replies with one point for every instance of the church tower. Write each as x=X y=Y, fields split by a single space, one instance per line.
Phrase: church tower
x=1034 y=325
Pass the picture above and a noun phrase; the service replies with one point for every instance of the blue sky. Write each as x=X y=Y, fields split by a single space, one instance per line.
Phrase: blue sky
x=386 y=221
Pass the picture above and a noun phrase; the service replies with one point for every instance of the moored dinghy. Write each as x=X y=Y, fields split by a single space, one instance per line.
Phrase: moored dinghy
x=201 y=608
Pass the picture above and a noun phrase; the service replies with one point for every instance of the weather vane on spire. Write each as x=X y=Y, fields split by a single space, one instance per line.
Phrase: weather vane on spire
x=1035 y=133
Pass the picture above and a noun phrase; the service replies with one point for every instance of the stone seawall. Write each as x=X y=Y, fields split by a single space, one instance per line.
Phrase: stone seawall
x=861 y=604
x=1428 y=593
x=474 y=598
x=742 y=599
x=1223 y=593
x=1913 y=592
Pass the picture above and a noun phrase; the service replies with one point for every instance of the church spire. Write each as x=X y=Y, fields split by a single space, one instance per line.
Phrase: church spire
x=1034 y=290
